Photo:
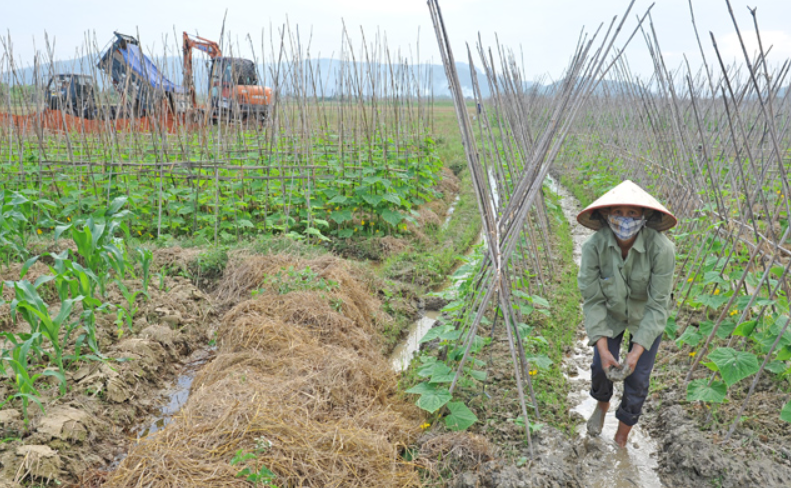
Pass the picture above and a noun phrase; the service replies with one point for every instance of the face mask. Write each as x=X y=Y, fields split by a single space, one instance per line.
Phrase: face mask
x=625 y=228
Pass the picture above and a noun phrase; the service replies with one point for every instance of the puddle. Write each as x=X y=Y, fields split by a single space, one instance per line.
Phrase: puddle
x=571 y=207
x=402 y=354
x=605 y=465
x=177 y=395
x=451 y=209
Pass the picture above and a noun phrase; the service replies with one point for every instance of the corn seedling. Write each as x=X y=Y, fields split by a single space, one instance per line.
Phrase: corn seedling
x=146 y=257
x=126 y=313
x=19 y=363
x=29 y=305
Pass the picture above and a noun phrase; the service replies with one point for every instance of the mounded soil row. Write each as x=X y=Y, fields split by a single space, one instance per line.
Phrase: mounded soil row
x=298 y=380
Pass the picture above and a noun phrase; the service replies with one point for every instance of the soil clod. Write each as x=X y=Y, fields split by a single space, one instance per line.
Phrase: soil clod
x=618 y=373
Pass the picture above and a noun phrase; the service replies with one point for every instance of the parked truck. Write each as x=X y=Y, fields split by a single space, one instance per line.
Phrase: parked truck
x=143 y=87
x=74 y=94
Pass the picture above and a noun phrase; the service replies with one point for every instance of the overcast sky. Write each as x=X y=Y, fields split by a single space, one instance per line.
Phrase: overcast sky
x=544 y=31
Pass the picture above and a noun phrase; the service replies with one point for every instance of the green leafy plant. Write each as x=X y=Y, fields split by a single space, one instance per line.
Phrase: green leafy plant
x=18 y=214
x=96 y=243
x=24 y=382
x=126 y=312
x=261 y=476
x=146 y=257
x=29 y=304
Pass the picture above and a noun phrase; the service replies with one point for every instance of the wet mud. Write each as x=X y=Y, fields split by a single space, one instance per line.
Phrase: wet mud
x=84 y=433
x=580 y=460
x=666 y=449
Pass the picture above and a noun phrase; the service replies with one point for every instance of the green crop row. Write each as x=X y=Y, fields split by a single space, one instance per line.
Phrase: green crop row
x=335 y=197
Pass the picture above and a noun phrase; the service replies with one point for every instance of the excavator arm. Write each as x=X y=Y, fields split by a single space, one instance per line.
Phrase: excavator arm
x=195 y=42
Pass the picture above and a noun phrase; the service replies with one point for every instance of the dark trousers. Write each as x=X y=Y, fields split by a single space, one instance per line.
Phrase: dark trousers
x=635 y=386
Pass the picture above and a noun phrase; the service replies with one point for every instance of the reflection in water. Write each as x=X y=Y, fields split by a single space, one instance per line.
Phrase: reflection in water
x=177 y=395
x=451 y=209
x=605 y=464
x=403 y=353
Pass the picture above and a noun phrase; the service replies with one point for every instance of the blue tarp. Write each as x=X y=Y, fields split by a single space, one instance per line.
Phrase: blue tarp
x=144 y=68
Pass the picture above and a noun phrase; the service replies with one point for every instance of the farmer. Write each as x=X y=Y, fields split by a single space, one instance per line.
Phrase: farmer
x=625 y=278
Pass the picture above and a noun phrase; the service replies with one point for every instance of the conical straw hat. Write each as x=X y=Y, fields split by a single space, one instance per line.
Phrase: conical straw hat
x=628 y=193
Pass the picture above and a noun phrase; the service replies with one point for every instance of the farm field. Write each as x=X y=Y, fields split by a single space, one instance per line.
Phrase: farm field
x=189 y=303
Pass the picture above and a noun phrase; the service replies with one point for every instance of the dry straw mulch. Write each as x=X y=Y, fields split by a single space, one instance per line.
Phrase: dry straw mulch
x=298 y=371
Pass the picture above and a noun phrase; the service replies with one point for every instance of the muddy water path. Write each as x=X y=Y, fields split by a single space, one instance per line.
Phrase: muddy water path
x=604 y=465
x=403 y=352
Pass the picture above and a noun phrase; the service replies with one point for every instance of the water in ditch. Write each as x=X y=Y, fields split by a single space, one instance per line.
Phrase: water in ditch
x=177 y=395
x=605 y=465
x=406 y=349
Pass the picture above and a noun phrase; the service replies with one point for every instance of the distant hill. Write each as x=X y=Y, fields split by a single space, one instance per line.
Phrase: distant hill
x=604 y=87
x=325 y=72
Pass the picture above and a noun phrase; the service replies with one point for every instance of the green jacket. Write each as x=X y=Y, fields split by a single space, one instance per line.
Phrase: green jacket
x=629 y=294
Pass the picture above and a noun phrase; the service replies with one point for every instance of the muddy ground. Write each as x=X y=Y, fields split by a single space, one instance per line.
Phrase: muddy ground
x=88 y=427
x=684 y=456
x=688 y=449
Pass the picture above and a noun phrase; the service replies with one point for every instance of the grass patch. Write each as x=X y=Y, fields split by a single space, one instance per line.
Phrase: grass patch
x=560 y=328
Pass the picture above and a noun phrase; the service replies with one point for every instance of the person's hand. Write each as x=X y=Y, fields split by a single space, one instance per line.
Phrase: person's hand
x=607 y=359
x=634 y=356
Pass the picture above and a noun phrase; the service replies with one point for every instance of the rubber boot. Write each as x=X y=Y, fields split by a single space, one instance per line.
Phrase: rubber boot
x=596 y=420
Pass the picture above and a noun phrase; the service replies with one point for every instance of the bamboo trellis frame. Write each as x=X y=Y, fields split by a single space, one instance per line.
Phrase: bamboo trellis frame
x=377 y=109
x=714 y=145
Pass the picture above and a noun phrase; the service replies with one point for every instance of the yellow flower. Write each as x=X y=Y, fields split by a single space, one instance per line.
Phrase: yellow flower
x=425 y=426
x=140 y=232
x=362 y=223
x=355 y=209
x=689 y=280
x=533 y=372
x=734 y=312
x=336 y=208
x=692 y=354
x=717 y=291
x=39 y=231
x=68 y=219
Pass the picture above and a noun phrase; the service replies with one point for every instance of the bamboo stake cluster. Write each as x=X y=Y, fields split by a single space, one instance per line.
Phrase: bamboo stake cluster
x=509 y=157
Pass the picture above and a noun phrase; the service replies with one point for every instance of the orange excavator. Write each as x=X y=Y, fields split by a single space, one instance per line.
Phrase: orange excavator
x=234 y=90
